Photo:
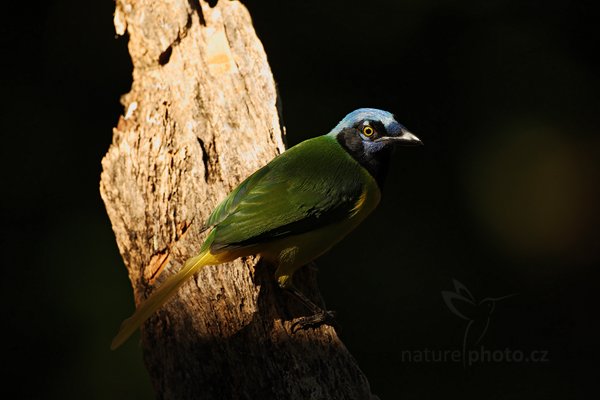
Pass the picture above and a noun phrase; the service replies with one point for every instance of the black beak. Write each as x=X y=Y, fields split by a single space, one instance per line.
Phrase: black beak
x=405 y=139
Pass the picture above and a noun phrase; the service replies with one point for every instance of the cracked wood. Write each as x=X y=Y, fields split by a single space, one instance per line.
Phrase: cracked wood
x=200 y=117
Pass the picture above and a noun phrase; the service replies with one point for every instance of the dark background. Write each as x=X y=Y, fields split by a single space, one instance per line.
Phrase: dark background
x=503 y=197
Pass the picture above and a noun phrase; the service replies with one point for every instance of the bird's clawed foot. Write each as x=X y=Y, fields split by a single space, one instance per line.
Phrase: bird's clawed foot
x=319 y=316
x=314 y=321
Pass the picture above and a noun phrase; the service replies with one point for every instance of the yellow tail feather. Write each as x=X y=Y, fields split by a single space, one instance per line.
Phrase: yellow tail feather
x=160 y=296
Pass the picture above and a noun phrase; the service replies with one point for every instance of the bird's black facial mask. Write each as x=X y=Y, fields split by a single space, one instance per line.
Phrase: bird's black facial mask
x=373 y=156
x=369 y=135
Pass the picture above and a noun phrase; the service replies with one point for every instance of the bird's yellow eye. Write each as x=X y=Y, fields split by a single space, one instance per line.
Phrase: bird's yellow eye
x=368 y=131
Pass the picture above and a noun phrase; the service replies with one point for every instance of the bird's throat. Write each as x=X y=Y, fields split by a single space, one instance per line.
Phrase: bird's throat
x=375 y=160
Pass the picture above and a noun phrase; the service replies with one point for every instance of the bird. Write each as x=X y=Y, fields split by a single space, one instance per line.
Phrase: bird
x=295 y=208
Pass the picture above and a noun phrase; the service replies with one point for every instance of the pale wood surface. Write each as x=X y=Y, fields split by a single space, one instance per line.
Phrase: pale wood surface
x=200 y=117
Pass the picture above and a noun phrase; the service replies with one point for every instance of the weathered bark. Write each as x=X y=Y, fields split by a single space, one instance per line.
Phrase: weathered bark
x=200 y=117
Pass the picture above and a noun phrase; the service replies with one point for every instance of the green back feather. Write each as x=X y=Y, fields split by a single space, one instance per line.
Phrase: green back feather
x=312 y=184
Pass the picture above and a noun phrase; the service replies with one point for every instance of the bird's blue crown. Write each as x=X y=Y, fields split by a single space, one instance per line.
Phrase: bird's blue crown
x=386 y=118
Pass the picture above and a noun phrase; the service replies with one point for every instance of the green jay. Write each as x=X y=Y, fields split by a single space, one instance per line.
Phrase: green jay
x=296 y=207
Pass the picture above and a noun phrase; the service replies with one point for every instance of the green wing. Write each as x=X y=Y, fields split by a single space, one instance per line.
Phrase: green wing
x=311 y=185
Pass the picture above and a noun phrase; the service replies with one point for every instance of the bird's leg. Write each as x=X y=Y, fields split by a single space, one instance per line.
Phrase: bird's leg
x=318 y=317
x=283 y=274
x=312 y=266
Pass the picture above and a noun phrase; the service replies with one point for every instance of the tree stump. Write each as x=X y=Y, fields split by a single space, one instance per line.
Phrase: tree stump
x=200 y=117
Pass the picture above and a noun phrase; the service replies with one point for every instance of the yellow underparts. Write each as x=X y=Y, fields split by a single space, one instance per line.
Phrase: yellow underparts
x=293 y=252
